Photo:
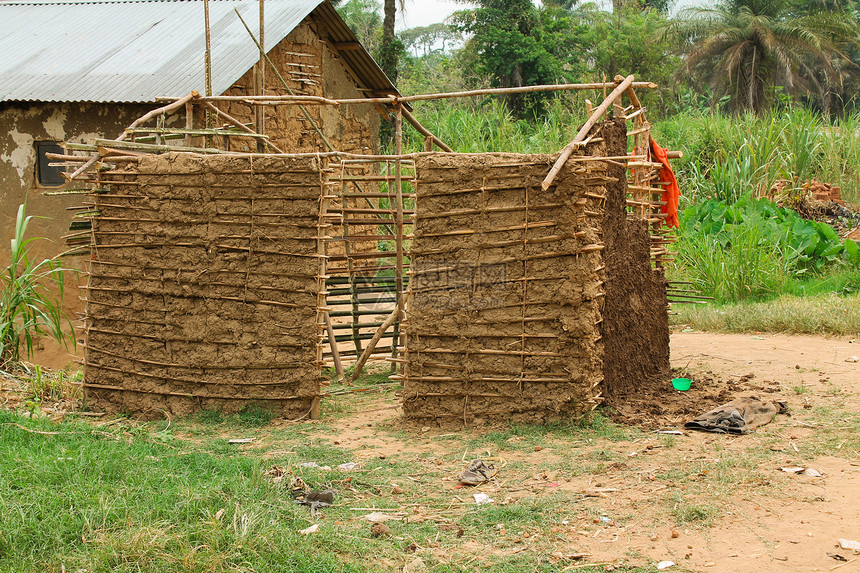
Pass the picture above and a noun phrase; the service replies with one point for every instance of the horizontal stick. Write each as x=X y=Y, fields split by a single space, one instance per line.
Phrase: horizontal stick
x=201 y=296
x=462 y=336
x=193 y=132
x=393 y=100
x=156 y=148
x=359 y=256
x=181 y=394
x=203 y=368
x=467 y=379
x=373 y=195
x=187 y=340
x=512 y=209
x=485 y=351
x=579 y=139
x=562 y=376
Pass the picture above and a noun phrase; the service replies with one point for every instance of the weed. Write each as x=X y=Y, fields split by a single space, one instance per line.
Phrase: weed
x=255 y=414
x=530 y=512
x=669 y=441
x=210 y=417
x=686 y=513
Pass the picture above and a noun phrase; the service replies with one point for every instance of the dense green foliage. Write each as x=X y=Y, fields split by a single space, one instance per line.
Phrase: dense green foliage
x=746 y=48
x=28 y=306
x=726 y=157
x=734 y=54
x=751 y=248
x=757 y=94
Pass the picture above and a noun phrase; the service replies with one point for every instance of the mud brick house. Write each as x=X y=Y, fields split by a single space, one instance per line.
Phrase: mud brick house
x=72 y=71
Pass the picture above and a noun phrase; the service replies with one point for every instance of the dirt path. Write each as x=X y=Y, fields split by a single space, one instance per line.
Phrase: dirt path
x=795 y=527
x=707 y=502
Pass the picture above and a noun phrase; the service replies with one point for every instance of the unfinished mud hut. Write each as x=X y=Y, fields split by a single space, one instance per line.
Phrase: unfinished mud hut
x=78 y=70
x=519 y=287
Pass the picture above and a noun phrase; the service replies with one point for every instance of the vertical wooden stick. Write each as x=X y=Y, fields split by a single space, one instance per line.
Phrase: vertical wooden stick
x=189 y=121
x=398 y=218
x=208 y=65
x=260 y=111
x=347 y=245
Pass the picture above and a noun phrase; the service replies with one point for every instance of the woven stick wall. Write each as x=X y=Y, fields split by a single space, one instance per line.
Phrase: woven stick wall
x=505 y=290
x=362 y=272
x=205 y=285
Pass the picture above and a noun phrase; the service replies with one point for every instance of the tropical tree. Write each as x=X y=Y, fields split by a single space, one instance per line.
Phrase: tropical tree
x=362 y=16
x=517 y=44
x=435 y=37
x=631 y=41
x=746 y=48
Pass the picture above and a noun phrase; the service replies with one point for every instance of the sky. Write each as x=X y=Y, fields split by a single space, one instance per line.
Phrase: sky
x=425 y=12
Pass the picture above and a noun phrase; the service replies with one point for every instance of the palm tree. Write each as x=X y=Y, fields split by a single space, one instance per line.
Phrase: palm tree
x=745 y=48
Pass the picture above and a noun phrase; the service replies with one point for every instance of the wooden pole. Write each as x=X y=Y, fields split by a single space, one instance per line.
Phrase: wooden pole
x=292 y=98
x=208 y=65
x=583 y=132
x=424 y=131
x=398 y=218
x=335 y=355
x=260 y=112
x=371 y=345
x=189 y=121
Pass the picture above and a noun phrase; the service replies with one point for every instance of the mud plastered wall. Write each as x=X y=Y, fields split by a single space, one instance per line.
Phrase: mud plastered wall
x=636 y=322
x=204 y=285
x=310 y=67
x=505 y=290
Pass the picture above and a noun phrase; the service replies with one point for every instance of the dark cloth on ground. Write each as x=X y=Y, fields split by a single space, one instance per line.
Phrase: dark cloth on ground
x=740 y=416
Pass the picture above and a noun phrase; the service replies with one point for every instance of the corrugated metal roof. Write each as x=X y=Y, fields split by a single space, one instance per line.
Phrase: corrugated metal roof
x=137 y=50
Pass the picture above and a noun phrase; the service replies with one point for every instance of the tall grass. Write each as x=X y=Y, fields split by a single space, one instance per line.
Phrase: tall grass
x=727 y=157
x=744 y=263
x=28 y=306
x=487 y=126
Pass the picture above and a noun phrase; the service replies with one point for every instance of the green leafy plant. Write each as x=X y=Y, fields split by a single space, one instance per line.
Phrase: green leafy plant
x=28 y=306
x=752 y=248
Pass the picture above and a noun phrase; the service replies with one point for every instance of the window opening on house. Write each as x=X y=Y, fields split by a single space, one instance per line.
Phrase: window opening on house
x=46 y=174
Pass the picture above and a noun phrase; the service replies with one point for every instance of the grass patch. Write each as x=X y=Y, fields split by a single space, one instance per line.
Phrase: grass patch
x=592 y=427
x=85 y=501
x=694 y=514
x=828 y=313
x=255 y=414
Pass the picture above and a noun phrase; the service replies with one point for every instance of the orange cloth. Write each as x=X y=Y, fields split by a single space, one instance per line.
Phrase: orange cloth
x=671 y=193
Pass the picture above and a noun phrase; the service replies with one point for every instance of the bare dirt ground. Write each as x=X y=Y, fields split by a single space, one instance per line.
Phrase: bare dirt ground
x=708 y=502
